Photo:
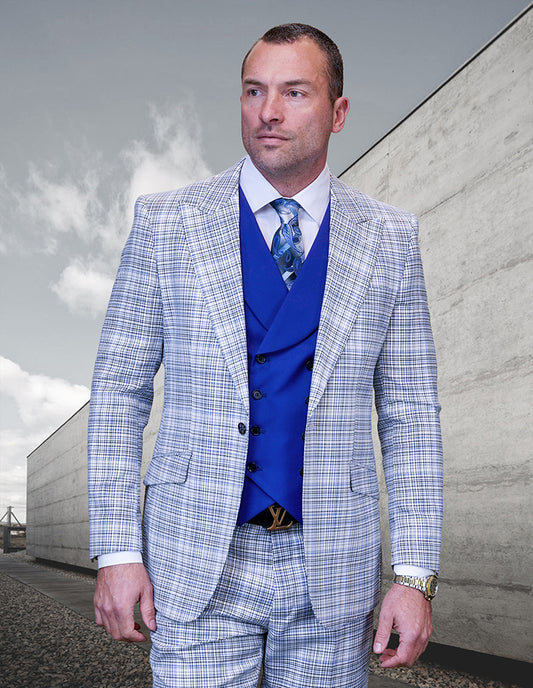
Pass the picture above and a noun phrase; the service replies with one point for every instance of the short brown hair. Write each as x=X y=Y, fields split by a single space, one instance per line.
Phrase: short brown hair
x=288 y=33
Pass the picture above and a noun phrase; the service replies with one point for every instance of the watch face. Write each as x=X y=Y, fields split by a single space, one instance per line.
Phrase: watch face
x=433 y=586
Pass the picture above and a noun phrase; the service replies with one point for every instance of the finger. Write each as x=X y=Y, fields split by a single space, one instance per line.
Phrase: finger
x=146 y=605
x=98 y=616
x=119 y=622
x=389 y=659
x=413 y=644
x=406 y=653
x=383 y=633
x=125 y=628
x=136 y=636
x=129 y=635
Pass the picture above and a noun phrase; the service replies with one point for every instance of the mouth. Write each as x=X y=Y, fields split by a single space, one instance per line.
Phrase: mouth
x=268 y=137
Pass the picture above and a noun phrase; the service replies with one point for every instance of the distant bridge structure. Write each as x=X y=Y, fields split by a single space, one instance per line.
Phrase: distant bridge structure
x=9 y=529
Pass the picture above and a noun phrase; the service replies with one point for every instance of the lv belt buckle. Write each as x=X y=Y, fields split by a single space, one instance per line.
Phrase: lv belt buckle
x=278 y=515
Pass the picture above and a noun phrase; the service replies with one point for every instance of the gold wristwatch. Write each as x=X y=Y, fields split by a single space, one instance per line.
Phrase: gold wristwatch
x=428 y=585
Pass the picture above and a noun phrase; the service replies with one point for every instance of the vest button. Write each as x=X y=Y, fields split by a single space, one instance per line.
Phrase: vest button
x=255 y=430
x=309 y=364
x=307 y=400
x=260 y=358
x=301 y=471
x=303 y=436
x=256 y=394
x=251 y=467
x=242 y=428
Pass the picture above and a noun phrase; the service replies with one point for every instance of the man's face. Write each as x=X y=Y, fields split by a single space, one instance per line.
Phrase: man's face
x=286 y=113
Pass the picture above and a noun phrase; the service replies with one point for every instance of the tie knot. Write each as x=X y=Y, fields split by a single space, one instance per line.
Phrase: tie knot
x=287 y=209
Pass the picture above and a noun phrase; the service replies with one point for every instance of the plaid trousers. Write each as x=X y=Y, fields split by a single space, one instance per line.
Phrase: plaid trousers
x=261 y=615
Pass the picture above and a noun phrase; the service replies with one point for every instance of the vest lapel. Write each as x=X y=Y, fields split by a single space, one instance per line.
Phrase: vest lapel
x=299 y=315
x=264 y=288
x=287 y=316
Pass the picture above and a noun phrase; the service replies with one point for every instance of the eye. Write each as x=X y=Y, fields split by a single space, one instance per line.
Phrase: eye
x=295 y=94
x=253 y=92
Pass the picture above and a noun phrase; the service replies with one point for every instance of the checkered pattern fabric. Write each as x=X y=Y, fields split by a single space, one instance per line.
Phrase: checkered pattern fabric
x=261 y=609
x=178 y=301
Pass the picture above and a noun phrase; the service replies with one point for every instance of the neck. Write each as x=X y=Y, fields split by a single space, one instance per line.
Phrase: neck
x=290 y=182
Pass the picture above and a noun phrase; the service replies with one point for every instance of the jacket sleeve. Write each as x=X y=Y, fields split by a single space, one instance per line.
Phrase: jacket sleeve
x=128 y=358
x=405 y=383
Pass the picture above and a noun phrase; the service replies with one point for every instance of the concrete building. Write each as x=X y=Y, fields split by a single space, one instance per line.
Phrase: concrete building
x=57 y=501
x=463 y=162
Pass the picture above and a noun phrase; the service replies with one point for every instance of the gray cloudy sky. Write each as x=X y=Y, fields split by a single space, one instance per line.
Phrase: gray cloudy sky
x=105 y=99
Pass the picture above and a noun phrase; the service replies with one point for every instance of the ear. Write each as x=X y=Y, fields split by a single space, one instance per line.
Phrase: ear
x=341 y=108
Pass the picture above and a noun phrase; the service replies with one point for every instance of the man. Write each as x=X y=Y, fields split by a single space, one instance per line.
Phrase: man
x=277 y=299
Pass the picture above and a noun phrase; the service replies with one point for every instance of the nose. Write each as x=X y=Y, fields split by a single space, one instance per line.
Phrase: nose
x=272 y=110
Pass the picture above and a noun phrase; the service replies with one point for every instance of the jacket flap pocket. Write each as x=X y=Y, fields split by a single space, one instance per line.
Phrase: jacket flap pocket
x=364 y=480
x=168 y=468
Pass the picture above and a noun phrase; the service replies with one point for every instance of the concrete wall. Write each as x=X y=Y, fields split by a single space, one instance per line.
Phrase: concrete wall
x=57 y=527
x=57 y=519
x=463 y=162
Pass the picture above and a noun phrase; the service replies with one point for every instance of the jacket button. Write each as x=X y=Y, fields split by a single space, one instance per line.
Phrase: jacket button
x=251 y=467
x=309 y=364
x=260 y=358
x=301 y=471
x=242 y=428
x=307 y=400
x=255 y=430
x=256 y=394
x=303 y=436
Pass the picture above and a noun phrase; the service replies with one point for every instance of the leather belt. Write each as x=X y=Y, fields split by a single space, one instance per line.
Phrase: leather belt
x=275 y=517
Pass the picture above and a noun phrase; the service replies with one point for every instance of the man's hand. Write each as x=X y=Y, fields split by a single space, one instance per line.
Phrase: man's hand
x=118 y=589
x=406 y=611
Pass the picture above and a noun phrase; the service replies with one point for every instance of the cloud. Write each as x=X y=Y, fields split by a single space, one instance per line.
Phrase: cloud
x=42 y=404
x=85 y=219
x=173 y=159
x=83 y=289
x=79 y=212
x=50 y=206
x=61 y=207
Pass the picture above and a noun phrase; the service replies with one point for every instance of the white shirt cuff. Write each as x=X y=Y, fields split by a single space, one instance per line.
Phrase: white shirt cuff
x=136 y=558
x=119 y=558
x=408 y=570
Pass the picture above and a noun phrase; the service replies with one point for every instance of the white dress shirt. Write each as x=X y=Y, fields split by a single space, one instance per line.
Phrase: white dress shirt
x=314 y=200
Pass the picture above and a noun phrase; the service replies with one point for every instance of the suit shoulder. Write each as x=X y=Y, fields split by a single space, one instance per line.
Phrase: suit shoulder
x=208 y=193
x=351 y=197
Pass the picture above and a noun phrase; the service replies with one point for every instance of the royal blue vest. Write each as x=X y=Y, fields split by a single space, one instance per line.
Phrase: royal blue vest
x=281 y=331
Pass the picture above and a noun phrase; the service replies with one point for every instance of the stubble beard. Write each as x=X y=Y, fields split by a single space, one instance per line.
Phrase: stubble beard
x=281 y=167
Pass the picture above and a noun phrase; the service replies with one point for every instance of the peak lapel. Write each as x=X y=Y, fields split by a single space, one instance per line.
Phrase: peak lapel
x=353 y=245
x=213 y=236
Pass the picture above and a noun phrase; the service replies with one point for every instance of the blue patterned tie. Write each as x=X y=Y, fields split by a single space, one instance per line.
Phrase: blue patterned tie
x=287 y=245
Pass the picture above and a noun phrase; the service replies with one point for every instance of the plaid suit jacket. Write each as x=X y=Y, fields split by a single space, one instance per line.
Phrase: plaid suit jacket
x=178 y=300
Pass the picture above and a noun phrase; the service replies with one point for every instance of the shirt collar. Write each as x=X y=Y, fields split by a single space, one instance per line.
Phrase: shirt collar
x=259 y=192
